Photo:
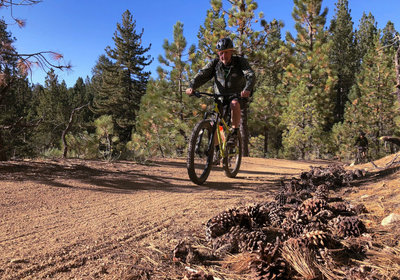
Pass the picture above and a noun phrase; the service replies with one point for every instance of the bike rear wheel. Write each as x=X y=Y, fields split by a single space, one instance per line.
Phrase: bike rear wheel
x=233 y=157
x=200 y=152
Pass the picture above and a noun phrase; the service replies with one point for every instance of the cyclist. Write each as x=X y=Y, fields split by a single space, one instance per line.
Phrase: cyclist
x=362 y=147
x=232 y=74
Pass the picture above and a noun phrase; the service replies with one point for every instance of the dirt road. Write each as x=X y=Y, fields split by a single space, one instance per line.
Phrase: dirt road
x=73 y=219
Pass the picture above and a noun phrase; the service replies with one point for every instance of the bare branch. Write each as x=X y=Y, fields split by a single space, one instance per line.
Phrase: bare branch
x=40 y=59
x=20 y=123
x=43 y=59
x=68 y=127
x=10 y=4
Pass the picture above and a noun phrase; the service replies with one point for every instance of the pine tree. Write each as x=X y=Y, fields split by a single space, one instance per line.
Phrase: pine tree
x=8 y=75
x=266 y=108
x=389 y=37
x=79 y=114
x=166 y=127
x=123 y=79
x=106 y=136
x=178 y=68
x=157 y=129
x=309 y=79
x=15 y=124
x=81 y=95
x=367 y=30
x=213 y=29
x=343 y=55
x=241 y=17
x=372 y=108
x=53 y=106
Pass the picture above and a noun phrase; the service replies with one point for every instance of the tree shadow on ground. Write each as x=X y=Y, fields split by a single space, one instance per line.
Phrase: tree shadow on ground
x=376 y=176
x=121 y=177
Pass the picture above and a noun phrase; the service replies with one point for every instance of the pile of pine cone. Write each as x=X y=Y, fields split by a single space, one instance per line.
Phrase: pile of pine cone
x=303 y=220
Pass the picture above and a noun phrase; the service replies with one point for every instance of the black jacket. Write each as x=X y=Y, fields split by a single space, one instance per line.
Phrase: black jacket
x=361 y=142
x=230 y=79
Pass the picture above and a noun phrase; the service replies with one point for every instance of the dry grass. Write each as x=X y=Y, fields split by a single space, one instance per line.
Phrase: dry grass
x=384 y=260
x=239 y=263
x=329 y=272
x=380 y=193
x=301 y=259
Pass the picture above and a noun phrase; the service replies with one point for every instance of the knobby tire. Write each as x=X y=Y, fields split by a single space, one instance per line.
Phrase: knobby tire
x=200 y=152
x=233 y=158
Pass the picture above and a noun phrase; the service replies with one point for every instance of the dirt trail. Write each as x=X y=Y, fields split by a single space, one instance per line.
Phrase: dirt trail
x=73 y=219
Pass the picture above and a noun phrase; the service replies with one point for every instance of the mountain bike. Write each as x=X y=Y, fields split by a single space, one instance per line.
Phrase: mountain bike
x=361 y=155
x=215 y=127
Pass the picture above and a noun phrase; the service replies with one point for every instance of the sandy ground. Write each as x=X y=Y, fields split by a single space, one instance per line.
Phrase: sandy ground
x=74 y=219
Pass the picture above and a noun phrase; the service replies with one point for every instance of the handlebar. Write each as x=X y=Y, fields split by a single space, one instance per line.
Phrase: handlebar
x=231 y=95
x=199 y=94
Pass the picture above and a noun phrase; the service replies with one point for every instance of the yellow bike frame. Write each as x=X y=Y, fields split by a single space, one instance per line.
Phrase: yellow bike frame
x=221 y=142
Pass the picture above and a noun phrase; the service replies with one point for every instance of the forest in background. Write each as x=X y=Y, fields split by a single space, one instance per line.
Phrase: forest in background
x=316 y=89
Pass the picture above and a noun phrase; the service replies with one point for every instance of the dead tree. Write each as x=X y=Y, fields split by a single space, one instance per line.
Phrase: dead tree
x=68 y=127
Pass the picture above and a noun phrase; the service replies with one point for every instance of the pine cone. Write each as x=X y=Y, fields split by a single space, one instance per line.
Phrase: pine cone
x=363 y=272
x=258 y=215
x=295 y=223
x=314 y=240
x=252 y=241
x=269 y=264
x=222 y=223
x=183 y=252
x=281 y=198
x=229 y=242
x=341 y=208
x=275 y=270
x=276 y=214
x=322 y=192
x=316 y=225
x=293 y=186
x=312 y=206
x=344 y=226
x=324 y=216
x=317 y=238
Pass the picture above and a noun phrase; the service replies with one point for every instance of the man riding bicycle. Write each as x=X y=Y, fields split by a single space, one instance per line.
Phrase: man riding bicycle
x=232 y=75
x=361 y=144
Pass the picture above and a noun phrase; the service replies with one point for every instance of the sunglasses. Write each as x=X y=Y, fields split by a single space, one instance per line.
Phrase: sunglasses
x=224 y=52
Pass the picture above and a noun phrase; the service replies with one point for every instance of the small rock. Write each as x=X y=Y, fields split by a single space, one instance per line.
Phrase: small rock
x=19 y=261
x=391 y=219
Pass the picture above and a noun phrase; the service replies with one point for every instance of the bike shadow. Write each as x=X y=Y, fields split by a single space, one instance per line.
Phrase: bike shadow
x=270 y=186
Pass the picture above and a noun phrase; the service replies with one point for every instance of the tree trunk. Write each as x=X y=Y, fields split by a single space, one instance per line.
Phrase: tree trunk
x=3 y=155
x=265 y=142
x=67 y=128
x=397 y=65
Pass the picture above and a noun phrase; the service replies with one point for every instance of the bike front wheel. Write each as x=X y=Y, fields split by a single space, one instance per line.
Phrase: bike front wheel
x=233 y=157
x=200 y=152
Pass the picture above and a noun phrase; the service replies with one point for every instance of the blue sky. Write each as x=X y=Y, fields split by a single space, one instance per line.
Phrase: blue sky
x=81 y=30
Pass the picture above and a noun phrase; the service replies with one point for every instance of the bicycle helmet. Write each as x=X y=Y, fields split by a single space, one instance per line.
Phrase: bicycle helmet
x=224 y=44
